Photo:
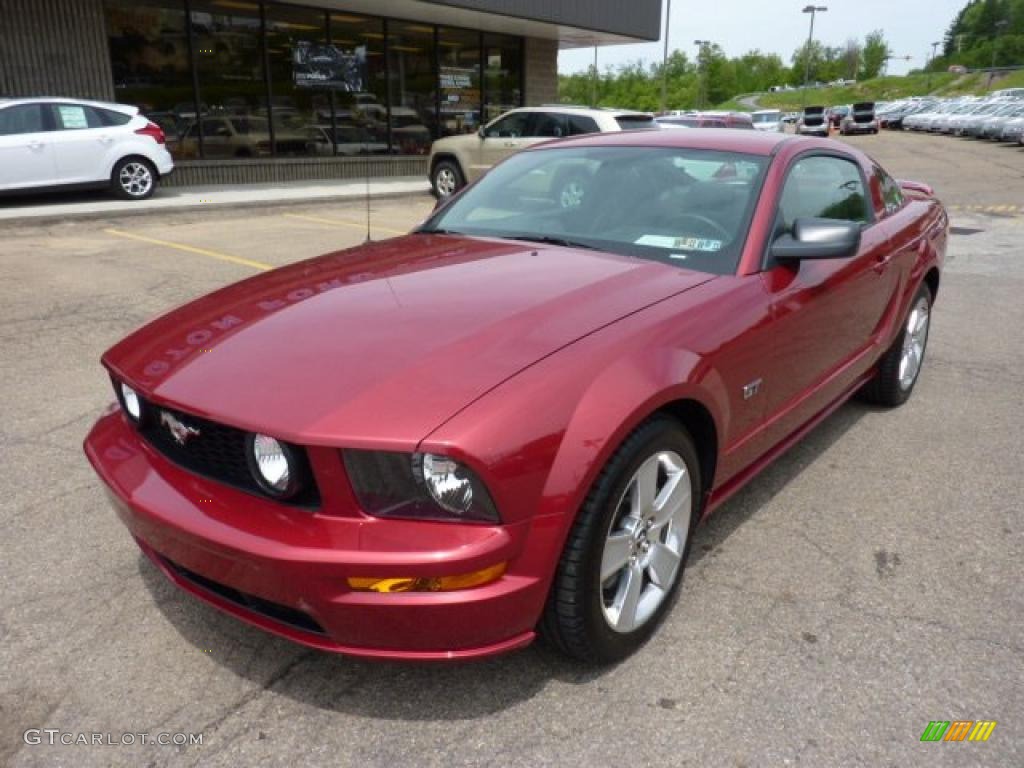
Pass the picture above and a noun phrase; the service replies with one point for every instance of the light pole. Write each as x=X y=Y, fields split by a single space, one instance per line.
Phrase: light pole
x=664 y=60
x=593 y=82
x=935 y=48
x=813 y=10
x=700 y=70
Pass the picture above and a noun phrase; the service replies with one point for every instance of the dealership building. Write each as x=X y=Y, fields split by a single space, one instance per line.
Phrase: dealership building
x=251 y=91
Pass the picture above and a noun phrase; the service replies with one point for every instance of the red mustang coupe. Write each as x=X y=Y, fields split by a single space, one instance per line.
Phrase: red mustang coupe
x=511 y=420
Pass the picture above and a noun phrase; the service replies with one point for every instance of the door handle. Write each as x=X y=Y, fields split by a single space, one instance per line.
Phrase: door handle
x=105 y=139
x=882 y=262
x=36 y=145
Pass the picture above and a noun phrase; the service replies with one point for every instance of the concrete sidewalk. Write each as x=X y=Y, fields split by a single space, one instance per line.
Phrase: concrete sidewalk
x=98 y=204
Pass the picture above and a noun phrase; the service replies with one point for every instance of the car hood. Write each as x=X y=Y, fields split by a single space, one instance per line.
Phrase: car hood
x=381 y=344
x=463 y=141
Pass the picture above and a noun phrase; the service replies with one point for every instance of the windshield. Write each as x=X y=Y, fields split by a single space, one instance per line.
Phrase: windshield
x=767 y=117
x=680 y=206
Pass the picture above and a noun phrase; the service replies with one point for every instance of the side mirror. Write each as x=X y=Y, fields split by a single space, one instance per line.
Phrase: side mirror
x=818 y=239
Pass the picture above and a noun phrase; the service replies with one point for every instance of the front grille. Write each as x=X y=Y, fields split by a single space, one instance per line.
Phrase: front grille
x=218 y=452
x=282 y=614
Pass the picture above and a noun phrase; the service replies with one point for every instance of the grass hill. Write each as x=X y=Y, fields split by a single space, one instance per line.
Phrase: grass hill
x=883 y=89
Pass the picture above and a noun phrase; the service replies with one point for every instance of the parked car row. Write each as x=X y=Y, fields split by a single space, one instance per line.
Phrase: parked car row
x=847 y=119
x=998 y=116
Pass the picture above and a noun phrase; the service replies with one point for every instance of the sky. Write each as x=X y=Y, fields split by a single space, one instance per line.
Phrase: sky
x=778 y=26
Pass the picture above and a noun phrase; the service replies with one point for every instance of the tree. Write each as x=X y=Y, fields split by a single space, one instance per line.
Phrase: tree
x=851 y=59
x=874 y=55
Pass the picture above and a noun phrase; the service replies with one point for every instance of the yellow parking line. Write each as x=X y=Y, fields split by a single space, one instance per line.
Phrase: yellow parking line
x=191 y=249
x=344 y=223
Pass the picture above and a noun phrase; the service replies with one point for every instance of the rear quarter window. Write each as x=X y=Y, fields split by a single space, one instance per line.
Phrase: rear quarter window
x=110 y=117
x=635 y=122
x=581 y=124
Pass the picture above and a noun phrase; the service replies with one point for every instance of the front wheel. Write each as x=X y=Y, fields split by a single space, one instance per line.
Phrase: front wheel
x=446 y=179
x=133 y=179
x=900 y=367
x=624 y=558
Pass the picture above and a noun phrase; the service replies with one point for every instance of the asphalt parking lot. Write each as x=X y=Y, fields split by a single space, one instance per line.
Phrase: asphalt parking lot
x=869 y=582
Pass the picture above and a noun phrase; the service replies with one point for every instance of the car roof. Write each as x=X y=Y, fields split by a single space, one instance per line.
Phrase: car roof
x=126 y=108
x=724 y=139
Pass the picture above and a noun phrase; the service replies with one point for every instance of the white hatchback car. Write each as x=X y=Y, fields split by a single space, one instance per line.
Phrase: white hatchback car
x=46 y=143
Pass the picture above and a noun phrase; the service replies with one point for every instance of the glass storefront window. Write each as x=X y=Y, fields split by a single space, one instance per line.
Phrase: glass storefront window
x=413 y=87
x=503 y=75
x=303 y=68
x=232 y=81
x=361 y=112
x=459 y=74
x=261 y=78
x=150 y=61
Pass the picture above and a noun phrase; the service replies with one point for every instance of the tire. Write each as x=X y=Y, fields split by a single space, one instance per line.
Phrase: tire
x=446 y=179
x=133 y=178
x=590 y=620
x=893 y=385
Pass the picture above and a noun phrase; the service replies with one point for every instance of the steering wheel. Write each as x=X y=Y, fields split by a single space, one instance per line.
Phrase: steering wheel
x=714 y=225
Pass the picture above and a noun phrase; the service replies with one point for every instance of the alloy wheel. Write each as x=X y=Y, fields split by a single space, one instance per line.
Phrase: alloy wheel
x=445 y=182
x=136 y=179
x=644 y=547
x=915 y=338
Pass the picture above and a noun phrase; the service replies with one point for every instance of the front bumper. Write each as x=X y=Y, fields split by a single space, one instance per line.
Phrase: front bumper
x=285 y=569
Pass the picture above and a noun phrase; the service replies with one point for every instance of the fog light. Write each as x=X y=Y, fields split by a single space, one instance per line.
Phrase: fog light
x=428 y=584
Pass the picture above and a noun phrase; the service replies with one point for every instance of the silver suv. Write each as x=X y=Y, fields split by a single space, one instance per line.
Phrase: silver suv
x=458 y=160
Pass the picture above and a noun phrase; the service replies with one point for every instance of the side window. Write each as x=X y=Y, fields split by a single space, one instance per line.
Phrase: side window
x=892 y=194
x=549 y=125
x=110 y=117
x=511 y=126
x=75 y=117
x=580 y=124
x=824 y=188
x=24 y=118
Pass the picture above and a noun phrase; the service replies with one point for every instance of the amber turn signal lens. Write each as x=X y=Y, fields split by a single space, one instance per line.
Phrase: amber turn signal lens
x=430 y=584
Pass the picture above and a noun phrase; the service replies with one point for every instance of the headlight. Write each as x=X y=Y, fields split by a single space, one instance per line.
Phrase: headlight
x=131 y=402
x=273 y=465
x=423 y=486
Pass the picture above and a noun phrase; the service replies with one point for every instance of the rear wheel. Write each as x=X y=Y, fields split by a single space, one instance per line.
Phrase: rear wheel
x=624 y=558
x=900 y=367
x=446 y=179
x=133 y=179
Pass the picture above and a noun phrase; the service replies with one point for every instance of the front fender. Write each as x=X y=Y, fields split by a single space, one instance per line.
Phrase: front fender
x=540 y=439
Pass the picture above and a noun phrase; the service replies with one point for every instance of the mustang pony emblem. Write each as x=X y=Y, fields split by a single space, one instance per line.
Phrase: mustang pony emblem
x=181 y=433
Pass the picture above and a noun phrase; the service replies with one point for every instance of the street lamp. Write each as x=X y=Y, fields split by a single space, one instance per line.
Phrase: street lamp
x=700 y=70
x=931 y=61
x=813 y=10
x=664 y=60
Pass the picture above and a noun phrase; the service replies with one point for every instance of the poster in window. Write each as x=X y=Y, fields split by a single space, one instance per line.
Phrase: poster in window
x=460 y=92
x=318 y=65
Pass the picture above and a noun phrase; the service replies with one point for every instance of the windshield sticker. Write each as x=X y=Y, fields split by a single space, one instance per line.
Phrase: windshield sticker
x=681 y=243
